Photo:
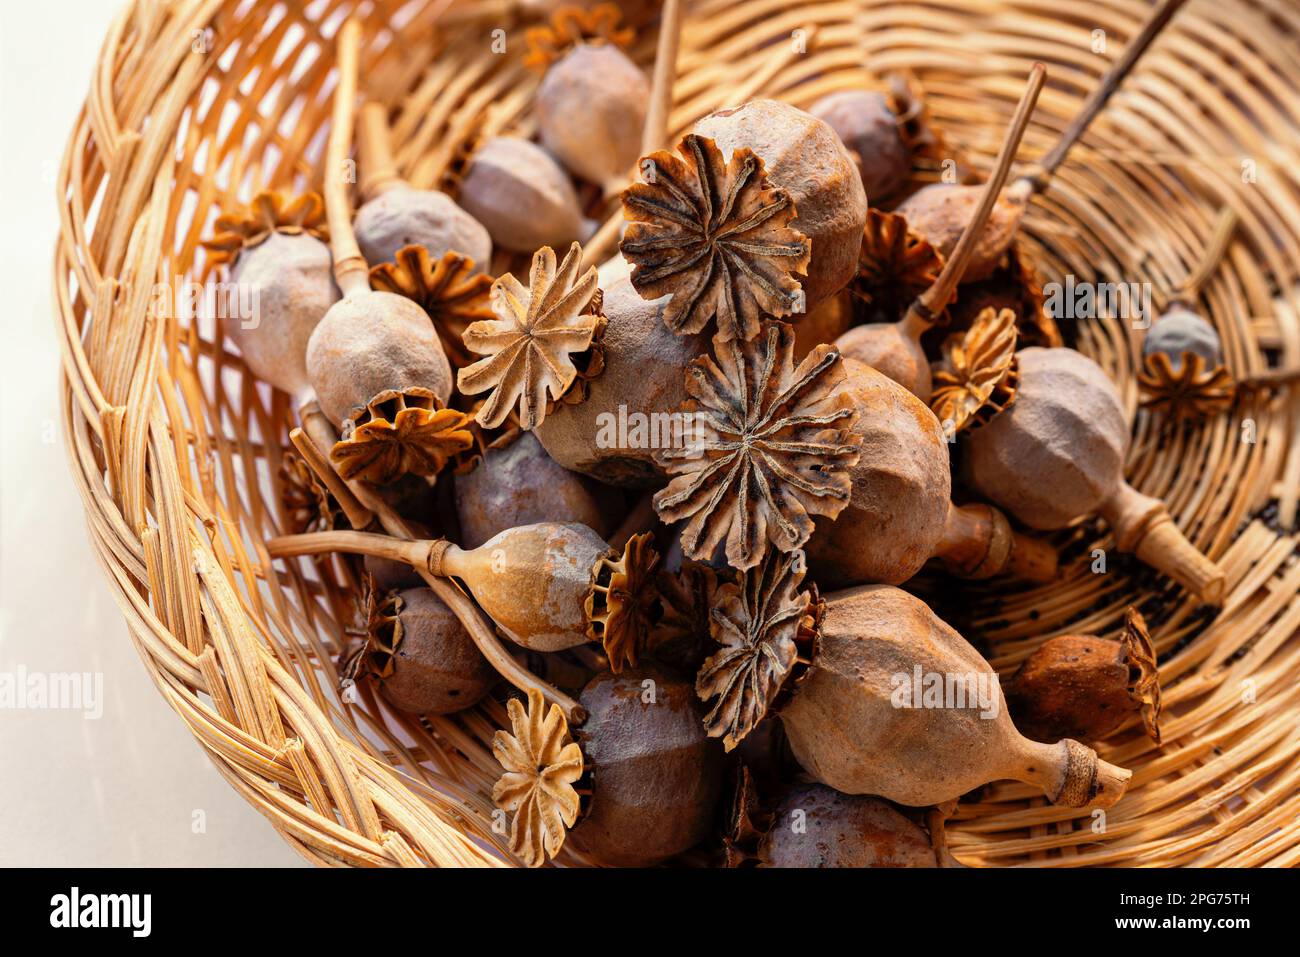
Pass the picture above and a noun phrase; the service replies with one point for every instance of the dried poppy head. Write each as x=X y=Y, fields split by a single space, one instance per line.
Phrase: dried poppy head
x=655 y=775
x=394 y=214
x=522 y=196
x=530 y=344
x=308 y=504
x=878 y=712
x=449 y=289
x=816 y=826
x=1057 y=455
x=977 y=376
x=280 y=261
x=773 y=448
x=423 y=658
x=870 y=130
x=804 y=159
x=628 y=410
x=940 y=212
x=517 y=483
x=542 y=764
x=1182 y=375
x=1085 y=687
x=900 y=513
x=1015 y=286
x=549 y=586
x=716 y=237
x=572 y=26
x=590 y=108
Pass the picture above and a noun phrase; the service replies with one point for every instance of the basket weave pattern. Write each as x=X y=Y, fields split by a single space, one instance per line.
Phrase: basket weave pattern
x=177 y=450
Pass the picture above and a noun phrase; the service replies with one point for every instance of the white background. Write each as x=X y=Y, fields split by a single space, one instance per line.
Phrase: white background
x=125 y=789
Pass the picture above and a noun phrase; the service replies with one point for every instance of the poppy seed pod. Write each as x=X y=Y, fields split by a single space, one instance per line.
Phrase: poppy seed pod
x=1181 y=329
x=521 y=195
x=1057 y=454
x=423 y=657
x=870 y=131
x=655 y=775
x=519 y=485
x=817 y=826
x=591 y=107
x=610 y=435
x=804 y=158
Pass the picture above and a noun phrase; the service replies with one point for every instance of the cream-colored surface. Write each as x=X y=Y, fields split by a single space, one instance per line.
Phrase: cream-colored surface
x=131 y=787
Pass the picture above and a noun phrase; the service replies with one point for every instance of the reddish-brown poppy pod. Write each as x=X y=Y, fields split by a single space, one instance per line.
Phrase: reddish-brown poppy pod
x=655 y=775
x=940 y=212
x=1056 y=454
x=900 y=512
x=877 y=695
x=374 y=359
x=421 y=655
x=394 y=214
x=894 y=348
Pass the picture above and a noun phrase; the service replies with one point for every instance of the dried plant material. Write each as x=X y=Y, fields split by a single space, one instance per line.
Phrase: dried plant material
x=763 y=622
x=530 y=345
x=684 y=632
x=1017 y=287
x=621 y=606
x=1144 y=671
x=1187 y=391
x=977 y=370
x=895 y=266
x=907 y=103
x=854 y=728
x=776 y=446
x=400 y=433
x=449 y=289
x=486 y=439
x=871 y=132
x=814 y=826
x=742 y=833
x=307 y=502
x=571 y=26
x=1057 y=455
x=542 y=763
x=655 y=775
x=268 y=213
x=715 y=236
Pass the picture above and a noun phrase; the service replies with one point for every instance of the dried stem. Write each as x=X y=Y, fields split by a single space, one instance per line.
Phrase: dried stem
x=350 y=269
x=375 y=151
x=357 y=514
x=927 y=305
x=1190 y=288
x=1040 y=176
x=655 y=132
x=402 y=540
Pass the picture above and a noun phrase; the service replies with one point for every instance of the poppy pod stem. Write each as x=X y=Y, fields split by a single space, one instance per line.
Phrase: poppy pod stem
x=929 y=304
x=350 y=269
x=375 y=152
x=401 y=544
x=978 y=542
x=1040 y=175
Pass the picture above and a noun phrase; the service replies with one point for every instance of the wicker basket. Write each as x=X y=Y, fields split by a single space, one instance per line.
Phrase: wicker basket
x=177 y=450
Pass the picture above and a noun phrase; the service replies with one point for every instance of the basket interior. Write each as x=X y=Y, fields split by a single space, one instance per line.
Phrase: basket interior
x=179 y=450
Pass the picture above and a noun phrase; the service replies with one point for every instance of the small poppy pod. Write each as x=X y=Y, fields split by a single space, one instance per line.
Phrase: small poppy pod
x=1085 y=687
x=816 y=826
x=894 y=350
x=522 y=196
x=655 y=775
x=1056 y=454
x=394 y=214
x=940 y=212
x=552 y=586
x=424 y=659
x=1179 y=330
x=900 y=512
x=279 y=258
x=591 y=108
x=870 y=131
x=382 y=377
x=804 y=158
x=611 y=434
x=520 y=484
